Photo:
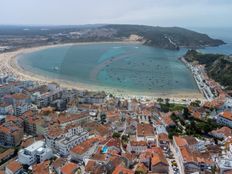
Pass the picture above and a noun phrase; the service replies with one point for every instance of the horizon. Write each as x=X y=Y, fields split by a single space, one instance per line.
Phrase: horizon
x=166 y=13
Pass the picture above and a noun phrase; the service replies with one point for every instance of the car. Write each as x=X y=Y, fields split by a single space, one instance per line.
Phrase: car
x=175 y=169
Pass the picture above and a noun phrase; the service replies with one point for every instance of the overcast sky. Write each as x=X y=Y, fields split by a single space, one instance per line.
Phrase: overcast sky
x=186 y=13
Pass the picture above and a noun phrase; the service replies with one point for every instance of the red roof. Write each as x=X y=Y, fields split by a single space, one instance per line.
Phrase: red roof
x=69 y=168
x=122 y=170
x=14 y=166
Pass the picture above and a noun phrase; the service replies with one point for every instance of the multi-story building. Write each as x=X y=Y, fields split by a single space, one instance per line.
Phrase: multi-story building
x=6 y=109
x=225 y=118
x=84 y=150
x=10 y=134
x=36 y=152
x=47 y=98
x=14 y=167
x=137 y=146
x=145 y=132
x=189 y=158
x=64 y=140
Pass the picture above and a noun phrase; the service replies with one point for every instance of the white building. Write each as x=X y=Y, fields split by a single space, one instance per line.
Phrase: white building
x=224 y=165
x=137 y=146
x=84 y=150
x=228 y=104
x=13 y=167
x=6 y=109
x=21 y=108
x=37 y=152
x=65 y=142
x=225 y=118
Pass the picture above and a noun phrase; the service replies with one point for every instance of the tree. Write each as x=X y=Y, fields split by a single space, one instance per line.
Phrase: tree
x=103 y=118
x=160 y=100
x=116 y=135
x=167 y=100
x=186 y=113
x=196 y=103
x=125 y=138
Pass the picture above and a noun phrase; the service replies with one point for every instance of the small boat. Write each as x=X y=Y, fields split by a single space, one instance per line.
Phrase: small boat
x=56 y=68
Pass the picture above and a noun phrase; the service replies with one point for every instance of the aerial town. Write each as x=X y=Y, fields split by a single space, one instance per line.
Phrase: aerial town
x=45 y=128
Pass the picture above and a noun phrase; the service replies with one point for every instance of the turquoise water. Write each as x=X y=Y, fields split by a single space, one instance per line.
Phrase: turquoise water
x=133 y=67
x=104 y=149
x=123 y=66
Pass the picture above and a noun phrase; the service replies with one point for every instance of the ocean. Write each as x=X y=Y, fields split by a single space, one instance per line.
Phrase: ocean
x=133 y=67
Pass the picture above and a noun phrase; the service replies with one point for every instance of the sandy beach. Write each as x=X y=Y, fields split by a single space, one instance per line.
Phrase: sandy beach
x=10 y=66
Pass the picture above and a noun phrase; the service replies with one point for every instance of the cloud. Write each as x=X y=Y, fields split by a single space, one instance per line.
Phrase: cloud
x=149 y=12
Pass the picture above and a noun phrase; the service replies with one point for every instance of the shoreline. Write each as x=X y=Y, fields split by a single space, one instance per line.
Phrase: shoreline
x=10 y=66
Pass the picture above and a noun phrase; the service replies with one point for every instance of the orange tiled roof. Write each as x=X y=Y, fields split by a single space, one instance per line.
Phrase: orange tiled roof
x=41 y=168
x=186 y=154
x=167 y=119
x=163 y=137
x=224 y=130
x=158 y=159
x=14 y=166
x=69 y=168
x=180 y=141
x=227 y=115
x=138 y=143
x=19 y=96
x=190 y=140
x=141 y=167
x=83 y=147
x=122 y=170
x=145 y=130
x=60 y=162
x=90 y=166
x=6 y=153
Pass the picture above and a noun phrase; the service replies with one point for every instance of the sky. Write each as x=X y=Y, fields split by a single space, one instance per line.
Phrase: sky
x=185 y=13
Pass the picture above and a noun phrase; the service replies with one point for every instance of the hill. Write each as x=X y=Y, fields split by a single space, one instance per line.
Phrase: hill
x=165 y=37
x=218 y=66
x=162 y=37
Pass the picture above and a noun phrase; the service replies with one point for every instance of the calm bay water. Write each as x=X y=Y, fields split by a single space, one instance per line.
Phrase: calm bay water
x=133 y=67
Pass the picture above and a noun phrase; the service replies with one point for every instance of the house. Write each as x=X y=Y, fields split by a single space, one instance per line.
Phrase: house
x=225 y=165
x=141 y=168
x=136 y=146
x=159 y=164
x=114 y=144
x=130 y=157
x=10 y=134
x=62 y=140
x=192 y=143
x=145 y=157
x=167 y=120
x=67 y=119
x=84 y=150
x=58 y=164
x=4 y=156
x=6 y=109
x=13 y=167
x=41 y=168
x=187 y=160
x=36 y=152
x=225 y=118
x=221 y=133
x=20 y=102
x=69 y=168
x=90 y=166
x=122 y=170
x=187 y=149
x=163 y=140
x=145 y=132
x=133 y=105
